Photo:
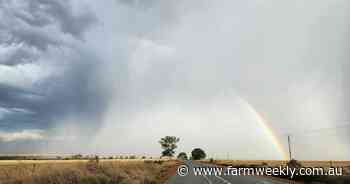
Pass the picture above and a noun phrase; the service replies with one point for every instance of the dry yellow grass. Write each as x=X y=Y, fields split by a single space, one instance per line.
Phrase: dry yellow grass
x=16 y=162
x=82 y=171
x=276 y=163
x=272 y=163
x=345 y=179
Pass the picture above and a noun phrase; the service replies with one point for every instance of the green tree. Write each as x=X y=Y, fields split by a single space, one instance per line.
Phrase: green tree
x=198 y=154
x=77 y=157
x=168 y=144
x=182 y=156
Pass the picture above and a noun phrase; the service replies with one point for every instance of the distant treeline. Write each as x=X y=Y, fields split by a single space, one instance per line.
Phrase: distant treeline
x=71 y=157
x=21 y=158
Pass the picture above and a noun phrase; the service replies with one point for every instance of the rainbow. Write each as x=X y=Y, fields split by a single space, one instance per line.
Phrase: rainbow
x=267 y=129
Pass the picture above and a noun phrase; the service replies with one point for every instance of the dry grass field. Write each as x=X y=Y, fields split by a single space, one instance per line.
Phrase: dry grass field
x=16 y=162
x=275 y=163
x=272 y=163
x=85 y=172
x=135 y=171
x=345 y=165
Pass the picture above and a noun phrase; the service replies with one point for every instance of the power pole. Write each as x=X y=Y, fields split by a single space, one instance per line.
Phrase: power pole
x=289 y=148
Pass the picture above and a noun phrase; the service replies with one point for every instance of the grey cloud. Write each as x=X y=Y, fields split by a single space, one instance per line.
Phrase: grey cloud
x=12 y=99
x=33 y=38
x=70 y=23
x=19 y=55
x=22 y=135
x=71 y=94
x=41 y=13
x=39 y=24
x=12 y=96
x=35 y=32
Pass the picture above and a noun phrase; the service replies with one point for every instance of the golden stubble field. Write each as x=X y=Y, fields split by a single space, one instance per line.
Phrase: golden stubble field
x=85 y=172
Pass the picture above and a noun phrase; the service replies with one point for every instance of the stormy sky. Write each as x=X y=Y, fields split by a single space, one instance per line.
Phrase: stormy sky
x=113 y=77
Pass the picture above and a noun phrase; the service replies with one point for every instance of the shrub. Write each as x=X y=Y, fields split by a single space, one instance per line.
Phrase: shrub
x=211 y=160
x=132 y=157
x=198 y=154
x=182 y=156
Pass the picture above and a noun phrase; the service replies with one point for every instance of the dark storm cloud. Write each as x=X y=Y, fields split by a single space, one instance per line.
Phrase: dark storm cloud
x=73 y=93
x=76 y=92
x=40 y=13
x=17 y=56
x=29 y=30
x=12 y=99
x=38 y=25
x=69 y=22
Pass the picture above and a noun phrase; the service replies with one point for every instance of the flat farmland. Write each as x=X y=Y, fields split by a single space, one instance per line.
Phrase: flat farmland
x=345 y=165
x=274 y=163
x=84 y=171
x=16 y=162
